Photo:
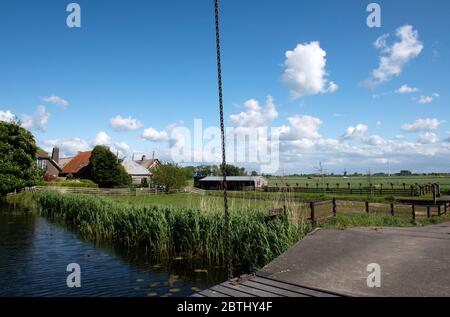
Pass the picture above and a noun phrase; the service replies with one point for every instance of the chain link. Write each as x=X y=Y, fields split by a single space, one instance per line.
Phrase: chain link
x=222 y=129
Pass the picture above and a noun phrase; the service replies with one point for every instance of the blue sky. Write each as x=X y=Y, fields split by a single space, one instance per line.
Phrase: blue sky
x=154 y=62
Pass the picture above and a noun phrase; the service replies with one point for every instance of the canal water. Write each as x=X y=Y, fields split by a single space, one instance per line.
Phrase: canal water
x=35 y=253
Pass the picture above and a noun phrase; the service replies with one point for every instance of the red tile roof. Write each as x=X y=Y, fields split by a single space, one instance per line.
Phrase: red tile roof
x=41 y=154
x=77 y=163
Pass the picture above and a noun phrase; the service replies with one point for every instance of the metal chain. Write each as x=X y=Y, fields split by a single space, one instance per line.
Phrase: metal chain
x=222 y=129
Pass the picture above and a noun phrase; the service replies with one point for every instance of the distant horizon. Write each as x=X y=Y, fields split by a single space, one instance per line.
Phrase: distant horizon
x=326 y=85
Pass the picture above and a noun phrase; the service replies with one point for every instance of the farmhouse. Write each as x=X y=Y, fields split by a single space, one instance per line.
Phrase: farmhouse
x=78 y=166
x=48 y=164
x=138 y=173
x=233 y=182
x=148 y=164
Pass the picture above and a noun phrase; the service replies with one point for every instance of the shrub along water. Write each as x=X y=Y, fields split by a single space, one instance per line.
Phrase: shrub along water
x=256 y=240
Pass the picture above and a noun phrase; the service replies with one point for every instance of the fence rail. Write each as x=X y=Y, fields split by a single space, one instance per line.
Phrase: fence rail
x=325 y=210
x=412 y=190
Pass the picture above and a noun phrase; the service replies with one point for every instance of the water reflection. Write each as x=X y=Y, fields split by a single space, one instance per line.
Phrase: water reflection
x=34 y=254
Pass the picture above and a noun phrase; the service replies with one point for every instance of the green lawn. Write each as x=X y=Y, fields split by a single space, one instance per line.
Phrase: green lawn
x=345 y=221
x=198 y=201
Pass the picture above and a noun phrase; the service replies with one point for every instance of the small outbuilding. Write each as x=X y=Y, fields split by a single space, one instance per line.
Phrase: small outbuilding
x=137 y=172
x=233 y=182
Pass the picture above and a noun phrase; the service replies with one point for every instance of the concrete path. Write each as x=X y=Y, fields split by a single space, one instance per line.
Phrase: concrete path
x=414 y=261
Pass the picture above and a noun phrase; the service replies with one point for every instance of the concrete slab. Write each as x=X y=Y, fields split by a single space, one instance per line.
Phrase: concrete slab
x=414 y=261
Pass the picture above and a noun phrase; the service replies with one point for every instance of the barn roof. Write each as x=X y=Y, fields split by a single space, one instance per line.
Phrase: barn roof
x=77 y=163
x=148 y=164
x=41 y=154
x=134 y=168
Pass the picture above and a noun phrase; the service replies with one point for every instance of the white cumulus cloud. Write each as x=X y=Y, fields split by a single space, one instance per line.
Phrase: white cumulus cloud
x=123 y=148
x=102 y=138
x=68 y=147
x=405 y=89
x=37 y=121
x=151 y=134
x=305 y=72
x=255 y=115
x=422 y=125
x=393 y=58
x=301 y=128
x=56 y=100
x=356 y=133
x=6 y=116
x=121 y=124
x=428 y=137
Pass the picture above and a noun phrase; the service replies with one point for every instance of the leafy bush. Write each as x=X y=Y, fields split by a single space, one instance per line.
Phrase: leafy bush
x=83 y=183
x=170 y=176
x=106 y=170
x=17 y=158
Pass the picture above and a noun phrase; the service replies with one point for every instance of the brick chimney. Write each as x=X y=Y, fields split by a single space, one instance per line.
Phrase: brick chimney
x=55 y=154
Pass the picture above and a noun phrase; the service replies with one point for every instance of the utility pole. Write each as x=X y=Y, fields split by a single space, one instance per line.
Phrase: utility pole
x=322 y=176
x=389 y=168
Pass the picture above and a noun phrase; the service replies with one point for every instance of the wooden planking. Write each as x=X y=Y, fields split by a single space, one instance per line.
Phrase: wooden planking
x=275 y=290
x=292 y=287
x=249 y=290
x=210 y=293
x=262 y=286
x=230 y=291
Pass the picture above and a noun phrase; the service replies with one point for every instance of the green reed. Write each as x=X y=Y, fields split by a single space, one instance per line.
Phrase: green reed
x=168 y=231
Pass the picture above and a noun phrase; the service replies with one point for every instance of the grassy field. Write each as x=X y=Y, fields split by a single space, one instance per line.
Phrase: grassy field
x=355 y=181
x=345 y=221
x=202 y=202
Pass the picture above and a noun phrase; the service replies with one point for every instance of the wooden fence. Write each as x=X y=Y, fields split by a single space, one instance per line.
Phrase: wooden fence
x=322 y=211
x=381 y=190
x=99 y=191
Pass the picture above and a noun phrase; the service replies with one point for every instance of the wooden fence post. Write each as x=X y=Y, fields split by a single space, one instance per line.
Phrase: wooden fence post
x=414 y=212
x=334 y=208
x=313 y=217
x=367 y=207
x=392 y=209
x=445 y=209
x=428 y=212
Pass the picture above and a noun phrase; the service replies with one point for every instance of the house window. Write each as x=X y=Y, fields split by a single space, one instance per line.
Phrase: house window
x=42 y=164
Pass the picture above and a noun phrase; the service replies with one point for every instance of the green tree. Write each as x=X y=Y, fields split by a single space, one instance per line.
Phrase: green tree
x=106 y=170
x=232 y=170
x=189 y=171
x=405 y=173
x=18 y=149
x=170 y=176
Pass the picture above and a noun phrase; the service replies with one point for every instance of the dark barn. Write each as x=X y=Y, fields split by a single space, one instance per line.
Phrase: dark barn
x=233 y=182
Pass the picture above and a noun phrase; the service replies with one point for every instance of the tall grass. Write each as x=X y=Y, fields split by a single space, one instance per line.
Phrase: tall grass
x=170 y=231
